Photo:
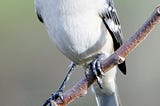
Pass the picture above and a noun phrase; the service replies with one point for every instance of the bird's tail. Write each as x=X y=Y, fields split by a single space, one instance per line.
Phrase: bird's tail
x=108 y=100
x=108 y=94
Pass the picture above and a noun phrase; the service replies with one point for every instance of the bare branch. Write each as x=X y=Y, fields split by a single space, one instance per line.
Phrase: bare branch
x=81 y=87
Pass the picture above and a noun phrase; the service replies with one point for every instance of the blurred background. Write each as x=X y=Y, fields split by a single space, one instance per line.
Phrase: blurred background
x=31 y=68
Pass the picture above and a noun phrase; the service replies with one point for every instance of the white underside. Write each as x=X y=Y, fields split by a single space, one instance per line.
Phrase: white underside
x=76 y=27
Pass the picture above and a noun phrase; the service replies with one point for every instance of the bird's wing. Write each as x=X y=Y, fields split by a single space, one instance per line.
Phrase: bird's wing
x=38 y=10
x=111 y=21
x=39 y=16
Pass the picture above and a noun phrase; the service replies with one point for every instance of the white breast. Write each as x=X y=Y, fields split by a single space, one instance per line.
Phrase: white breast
x=74 y=26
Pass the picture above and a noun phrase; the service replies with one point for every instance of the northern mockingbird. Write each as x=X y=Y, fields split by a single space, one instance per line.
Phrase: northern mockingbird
x=83 y=30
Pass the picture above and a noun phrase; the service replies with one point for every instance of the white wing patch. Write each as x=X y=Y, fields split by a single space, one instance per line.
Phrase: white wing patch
x=112 y=25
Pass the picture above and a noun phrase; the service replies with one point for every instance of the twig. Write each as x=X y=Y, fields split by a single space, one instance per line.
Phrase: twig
x=81 y=87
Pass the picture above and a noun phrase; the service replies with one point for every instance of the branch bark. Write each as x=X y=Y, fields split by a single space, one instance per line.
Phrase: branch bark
x=81 y=87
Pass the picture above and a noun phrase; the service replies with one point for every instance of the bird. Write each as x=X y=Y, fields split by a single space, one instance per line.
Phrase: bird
x=86 y=32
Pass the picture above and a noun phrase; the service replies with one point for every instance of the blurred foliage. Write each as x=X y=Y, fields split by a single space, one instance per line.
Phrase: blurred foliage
x=31 y=67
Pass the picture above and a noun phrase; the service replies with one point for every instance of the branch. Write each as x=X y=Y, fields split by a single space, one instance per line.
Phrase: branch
x=81 y=87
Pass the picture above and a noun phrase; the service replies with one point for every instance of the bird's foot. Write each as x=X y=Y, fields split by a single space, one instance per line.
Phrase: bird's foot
x=57 y=95
x=96 y=67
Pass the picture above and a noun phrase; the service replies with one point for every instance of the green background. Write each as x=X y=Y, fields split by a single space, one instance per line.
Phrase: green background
x=31 y=67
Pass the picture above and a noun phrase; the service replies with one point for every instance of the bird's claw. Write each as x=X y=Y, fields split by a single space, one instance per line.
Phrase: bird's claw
x=57 y=95
x=97 y=70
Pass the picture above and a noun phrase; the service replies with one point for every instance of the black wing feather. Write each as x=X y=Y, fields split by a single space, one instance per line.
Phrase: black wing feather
x=39 y=17
x=112 y=23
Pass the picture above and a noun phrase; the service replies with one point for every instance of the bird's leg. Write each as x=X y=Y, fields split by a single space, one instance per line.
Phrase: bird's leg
x=58 y=93
x=66 y=79
x=97 y=70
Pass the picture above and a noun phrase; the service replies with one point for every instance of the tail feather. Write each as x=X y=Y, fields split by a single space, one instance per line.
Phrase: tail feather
x=107 y=100
x=108 y=95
